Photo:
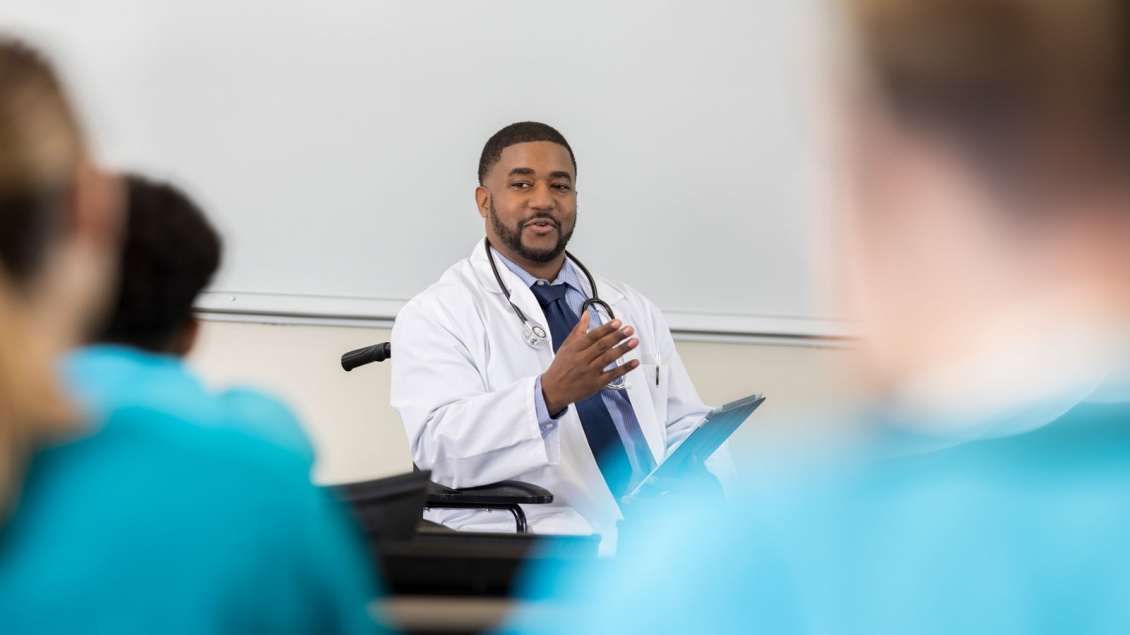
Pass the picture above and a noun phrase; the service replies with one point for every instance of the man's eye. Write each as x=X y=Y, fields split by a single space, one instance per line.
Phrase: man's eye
x=563 y=188
x=520 y=184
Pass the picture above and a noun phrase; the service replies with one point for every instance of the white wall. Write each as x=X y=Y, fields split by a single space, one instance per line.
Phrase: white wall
x=359 y=436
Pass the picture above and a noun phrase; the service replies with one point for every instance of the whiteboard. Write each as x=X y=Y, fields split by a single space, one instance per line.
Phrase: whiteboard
x=336 y=142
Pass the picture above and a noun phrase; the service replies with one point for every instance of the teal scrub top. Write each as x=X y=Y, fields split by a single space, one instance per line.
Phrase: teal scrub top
x=154 y=524
x=1027 y=533
x=107 y=377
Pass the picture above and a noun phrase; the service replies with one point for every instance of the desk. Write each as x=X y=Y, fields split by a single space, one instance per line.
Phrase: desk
x=441 y=614
x=436 y=614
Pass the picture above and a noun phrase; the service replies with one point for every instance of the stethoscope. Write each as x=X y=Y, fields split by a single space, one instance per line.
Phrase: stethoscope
x=535 y=335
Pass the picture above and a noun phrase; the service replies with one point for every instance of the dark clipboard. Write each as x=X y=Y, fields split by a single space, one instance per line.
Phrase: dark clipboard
x=708 y=436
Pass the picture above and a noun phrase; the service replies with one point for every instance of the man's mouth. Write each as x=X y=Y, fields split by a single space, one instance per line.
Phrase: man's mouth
x=542 y=226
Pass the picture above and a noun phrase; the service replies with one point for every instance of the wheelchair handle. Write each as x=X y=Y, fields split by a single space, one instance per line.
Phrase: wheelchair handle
x=368 y=355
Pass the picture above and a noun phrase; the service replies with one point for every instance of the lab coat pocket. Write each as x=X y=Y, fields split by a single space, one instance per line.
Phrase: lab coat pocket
x=657 y=384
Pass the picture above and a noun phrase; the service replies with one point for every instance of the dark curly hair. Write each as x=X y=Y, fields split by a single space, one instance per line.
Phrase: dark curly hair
x=170 y=254
x=515 y=133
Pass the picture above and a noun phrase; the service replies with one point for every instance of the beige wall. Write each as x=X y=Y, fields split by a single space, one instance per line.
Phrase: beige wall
x=359 y=436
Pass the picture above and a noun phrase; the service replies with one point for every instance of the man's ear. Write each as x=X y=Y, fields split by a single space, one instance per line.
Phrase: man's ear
x=187 y=341
x=482 y=199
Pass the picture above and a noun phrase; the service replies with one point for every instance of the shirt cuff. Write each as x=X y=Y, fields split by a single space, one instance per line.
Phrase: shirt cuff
x=545 y=421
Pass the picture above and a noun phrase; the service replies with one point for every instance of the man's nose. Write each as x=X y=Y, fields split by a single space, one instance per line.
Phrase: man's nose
x=540 y=198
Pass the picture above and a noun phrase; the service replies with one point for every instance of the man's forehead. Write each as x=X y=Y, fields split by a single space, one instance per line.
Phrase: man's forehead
x=539 y=156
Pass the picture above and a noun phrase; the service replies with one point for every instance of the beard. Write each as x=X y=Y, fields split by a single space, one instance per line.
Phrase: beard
x=513 y=237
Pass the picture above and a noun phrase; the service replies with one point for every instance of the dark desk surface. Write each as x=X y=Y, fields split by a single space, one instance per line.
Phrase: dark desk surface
x=472 y=564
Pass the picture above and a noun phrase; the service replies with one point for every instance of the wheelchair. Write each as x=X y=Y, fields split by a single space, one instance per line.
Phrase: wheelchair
x=424 y=558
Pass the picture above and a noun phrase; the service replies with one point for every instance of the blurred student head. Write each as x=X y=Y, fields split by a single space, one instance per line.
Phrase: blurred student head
x=987 y=153
x=59 y=226
x=169 y=256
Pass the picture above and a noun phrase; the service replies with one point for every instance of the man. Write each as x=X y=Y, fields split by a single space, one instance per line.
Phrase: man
x=504 y=376
x=170 y=254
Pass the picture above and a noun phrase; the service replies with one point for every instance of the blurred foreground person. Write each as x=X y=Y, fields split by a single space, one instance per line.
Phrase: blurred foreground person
x=986 y=156
x=151 y=524
x=169 y=256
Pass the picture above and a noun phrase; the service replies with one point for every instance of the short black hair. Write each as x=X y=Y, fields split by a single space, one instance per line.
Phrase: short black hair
x=515 y=133
x=169 y=256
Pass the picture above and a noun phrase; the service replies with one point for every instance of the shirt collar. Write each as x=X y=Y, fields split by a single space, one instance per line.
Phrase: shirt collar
x=568 y=274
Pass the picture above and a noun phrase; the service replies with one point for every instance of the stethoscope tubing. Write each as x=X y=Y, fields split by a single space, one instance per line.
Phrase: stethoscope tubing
x=535 y=335
x=590 y=302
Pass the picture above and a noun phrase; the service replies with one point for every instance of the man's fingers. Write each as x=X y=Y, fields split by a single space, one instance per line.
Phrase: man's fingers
x=604 y=344
x=582 y=326
x=618 y=352
x=609 y=376
x=594 y=335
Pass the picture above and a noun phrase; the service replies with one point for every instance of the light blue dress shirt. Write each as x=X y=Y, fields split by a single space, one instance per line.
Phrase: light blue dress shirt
x=619 y=407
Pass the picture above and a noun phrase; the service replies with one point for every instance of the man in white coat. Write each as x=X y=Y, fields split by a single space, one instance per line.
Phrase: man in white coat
x=502 y=371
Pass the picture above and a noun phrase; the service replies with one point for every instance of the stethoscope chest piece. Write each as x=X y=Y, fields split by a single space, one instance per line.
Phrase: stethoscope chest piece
x=534 y=336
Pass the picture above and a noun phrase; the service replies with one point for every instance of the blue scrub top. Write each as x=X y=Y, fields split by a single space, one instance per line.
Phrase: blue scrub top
x=107 y=377
x=1023 y=534
x=154 y=524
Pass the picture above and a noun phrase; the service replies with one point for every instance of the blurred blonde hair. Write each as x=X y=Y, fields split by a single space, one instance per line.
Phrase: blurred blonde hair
x=1009 y=76
x=41 y=150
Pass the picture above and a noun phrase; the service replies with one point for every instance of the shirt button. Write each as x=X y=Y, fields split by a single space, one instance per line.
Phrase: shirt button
x=541 y=283
x=549 y=426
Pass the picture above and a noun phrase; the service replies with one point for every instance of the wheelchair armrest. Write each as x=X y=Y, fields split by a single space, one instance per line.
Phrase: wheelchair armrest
x=504 y=493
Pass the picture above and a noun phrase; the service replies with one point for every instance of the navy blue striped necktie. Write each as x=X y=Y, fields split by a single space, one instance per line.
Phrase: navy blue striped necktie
x=600 y=430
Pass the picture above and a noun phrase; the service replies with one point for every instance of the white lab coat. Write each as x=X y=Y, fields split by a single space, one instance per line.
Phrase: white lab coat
x=463 y=383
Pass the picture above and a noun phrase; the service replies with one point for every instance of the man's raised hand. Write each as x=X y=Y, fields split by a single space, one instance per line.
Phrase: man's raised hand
x=578 y=371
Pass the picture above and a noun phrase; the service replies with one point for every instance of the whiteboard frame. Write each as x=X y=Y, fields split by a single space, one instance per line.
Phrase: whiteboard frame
x=380 y=313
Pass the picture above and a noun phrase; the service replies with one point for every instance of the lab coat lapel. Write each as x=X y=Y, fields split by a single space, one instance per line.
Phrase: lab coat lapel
x=520 y=294
x=638 y=391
